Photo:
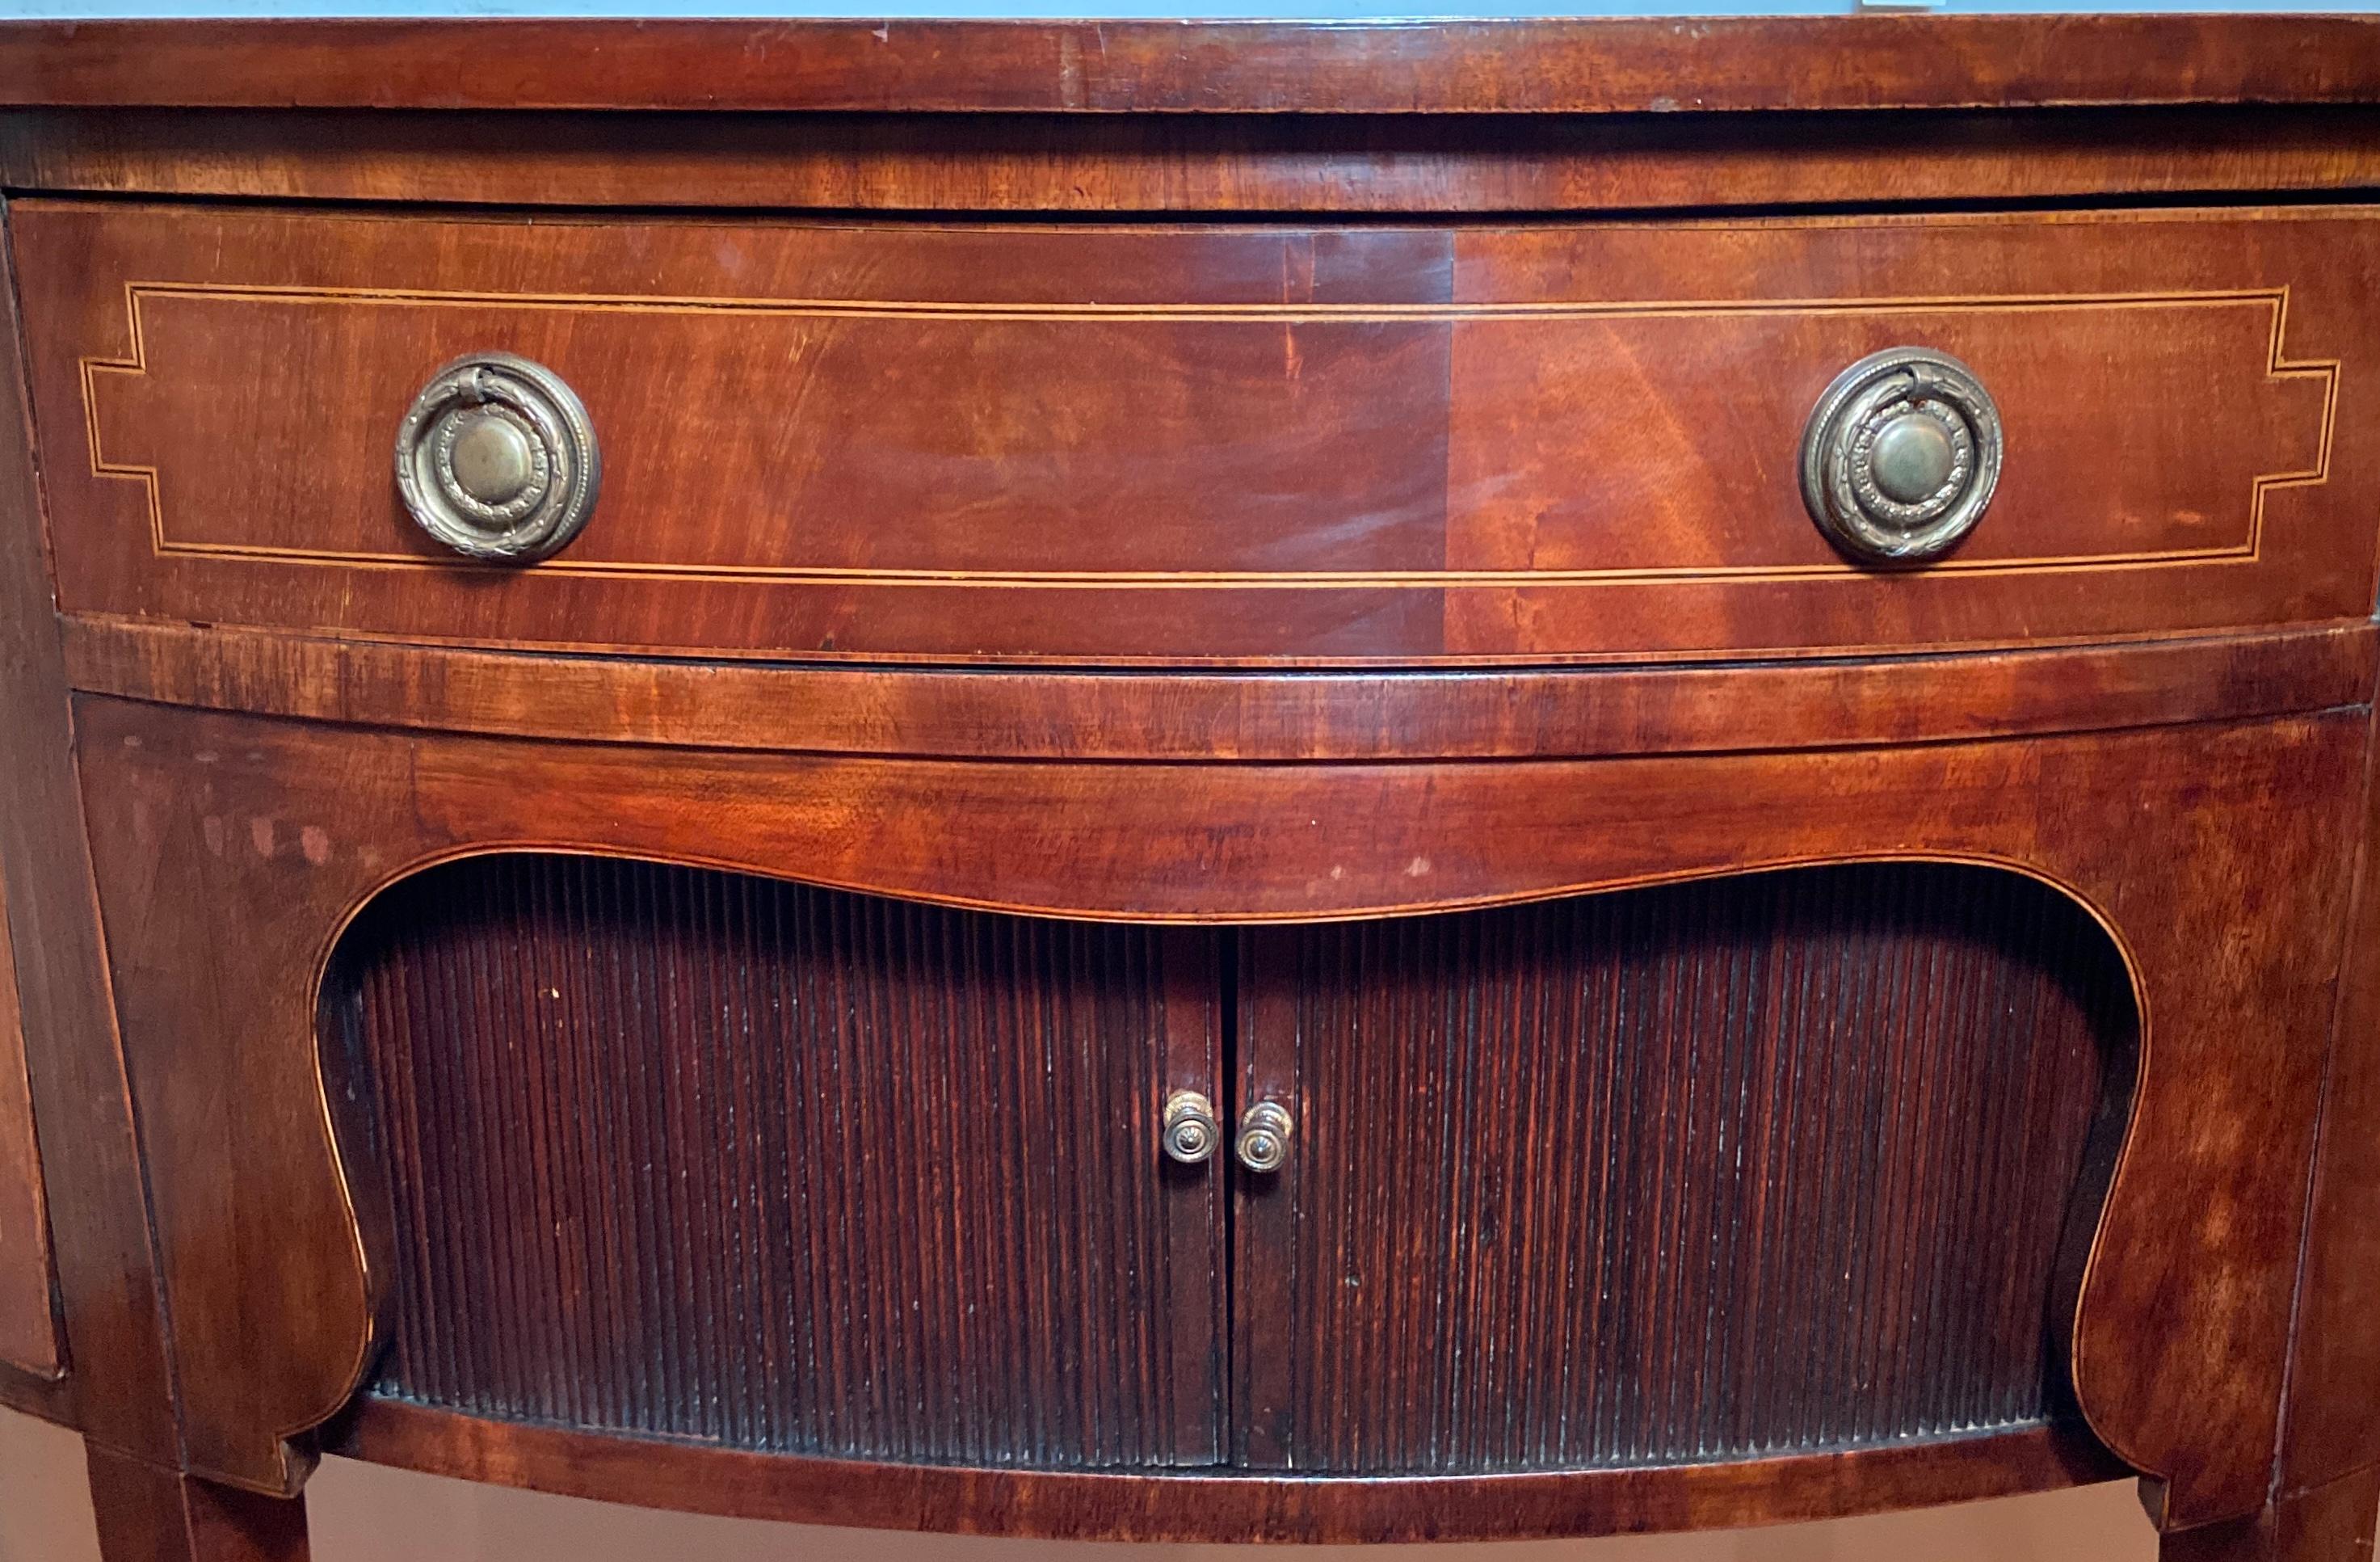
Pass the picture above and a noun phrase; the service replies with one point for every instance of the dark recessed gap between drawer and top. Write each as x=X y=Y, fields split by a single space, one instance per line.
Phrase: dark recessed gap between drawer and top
x=1293 y=169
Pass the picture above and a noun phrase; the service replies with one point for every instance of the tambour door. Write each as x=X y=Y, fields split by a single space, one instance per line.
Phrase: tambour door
x=685 y=1154
x=1772 y=1163
x=1751 y=1165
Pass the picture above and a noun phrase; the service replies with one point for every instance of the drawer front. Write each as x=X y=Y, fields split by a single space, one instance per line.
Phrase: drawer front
x=1181 y=443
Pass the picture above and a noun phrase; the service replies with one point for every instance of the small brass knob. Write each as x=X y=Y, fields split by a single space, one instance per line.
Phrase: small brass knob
x=1264 y=1136
x=1900 y=455
x=1191 y=1130
x=496 y=458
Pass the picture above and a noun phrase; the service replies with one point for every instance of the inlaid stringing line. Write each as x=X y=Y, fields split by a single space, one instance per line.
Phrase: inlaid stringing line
x=138 y=293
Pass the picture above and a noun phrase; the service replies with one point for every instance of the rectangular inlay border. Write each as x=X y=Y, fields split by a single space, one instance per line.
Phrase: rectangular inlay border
x=2276 y=367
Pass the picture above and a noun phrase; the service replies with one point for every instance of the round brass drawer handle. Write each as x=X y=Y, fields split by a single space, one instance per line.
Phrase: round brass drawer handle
x=1900 y=455
x=1191 y=1130
x=496 y=458
x=1264 y=1136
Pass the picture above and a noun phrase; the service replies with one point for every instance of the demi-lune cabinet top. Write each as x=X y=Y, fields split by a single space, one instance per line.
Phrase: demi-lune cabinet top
x=1610 y=66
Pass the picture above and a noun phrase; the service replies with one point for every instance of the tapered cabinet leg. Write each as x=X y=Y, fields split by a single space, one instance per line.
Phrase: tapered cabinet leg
x=2332 y=1523
x=146 y=1514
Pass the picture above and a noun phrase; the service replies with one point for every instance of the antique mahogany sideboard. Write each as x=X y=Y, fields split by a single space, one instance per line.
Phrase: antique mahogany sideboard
x=1198 y=781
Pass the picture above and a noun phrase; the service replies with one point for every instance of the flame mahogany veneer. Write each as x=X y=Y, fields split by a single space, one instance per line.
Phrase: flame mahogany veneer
x=1261 y=560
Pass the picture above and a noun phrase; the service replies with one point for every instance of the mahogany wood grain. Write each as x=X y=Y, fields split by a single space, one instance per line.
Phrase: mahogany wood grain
x=1294 y=515
x=2183 y=839
x=552 y=1050
x=2333 y=1426
x=1202 y=445
x=817 y=1088
x=992 y=714
x=1373 y=164
x=1547 y=67
x=150 y=1514
x=2333 y=1523
x=29 y=1325
x=120 y=1391
x=1082 y=1505
x=2341 y=1519
x=1733 y=1169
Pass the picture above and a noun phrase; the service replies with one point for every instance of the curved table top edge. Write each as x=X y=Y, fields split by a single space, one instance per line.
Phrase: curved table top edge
x=1545 y=65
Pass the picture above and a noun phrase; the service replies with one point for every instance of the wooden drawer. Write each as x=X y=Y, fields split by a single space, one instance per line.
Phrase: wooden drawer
x=1372 y=443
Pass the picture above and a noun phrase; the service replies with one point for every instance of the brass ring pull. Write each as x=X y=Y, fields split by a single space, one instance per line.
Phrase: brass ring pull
x=496 y=459
x=1264 y=1130
x=1900 y=455
x=1191 y=1130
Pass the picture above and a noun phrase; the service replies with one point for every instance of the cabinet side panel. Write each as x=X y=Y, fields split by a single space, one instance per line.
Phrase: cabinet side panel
x=2332 y=1429
x=29 y=1332
x=121 y=1395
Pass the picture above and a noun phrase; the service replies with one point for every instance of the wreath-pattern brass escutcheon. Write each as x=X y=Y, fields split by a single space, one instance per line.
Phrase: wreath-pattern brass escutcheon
x=497 y=459
x=1900 y=455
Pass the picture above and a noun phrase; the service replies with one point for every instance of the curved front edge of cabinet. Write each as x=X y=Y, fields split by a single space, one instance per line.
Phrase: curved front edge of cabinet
x=2180 y=1334
x=1218 y=1506
x=231 y=850
x=217 y=919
